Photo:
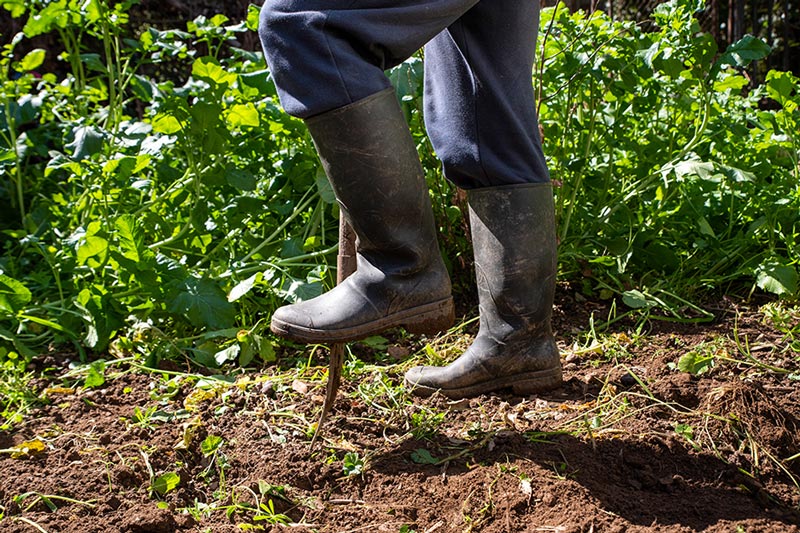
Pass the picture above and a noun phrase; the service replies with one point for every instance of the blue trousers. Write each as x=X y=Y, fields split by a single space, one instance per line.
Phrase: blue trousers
x=479 y=106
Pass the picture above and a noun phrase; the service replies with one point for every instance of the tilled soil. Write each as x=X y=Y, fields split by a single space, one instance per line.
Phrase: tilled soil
x=627 y=444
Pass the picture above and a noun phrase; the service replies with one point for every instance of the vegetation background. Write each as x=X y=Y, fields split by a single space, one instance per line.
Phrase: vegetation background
x=160 y=203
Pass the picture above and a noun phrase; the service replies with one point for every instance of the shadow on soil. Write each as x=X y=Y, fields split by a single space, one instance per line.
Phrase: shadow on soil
x=644 y=482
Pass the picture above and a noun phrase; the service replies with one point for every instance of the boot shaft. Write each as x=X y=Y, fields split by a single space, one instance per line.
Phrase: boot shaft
x=513 y=235
x=371 y=160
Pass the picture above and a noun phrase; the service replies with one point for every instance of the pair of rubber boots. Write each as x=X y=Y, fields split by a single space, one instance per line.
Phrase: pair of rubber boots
x=401 y=280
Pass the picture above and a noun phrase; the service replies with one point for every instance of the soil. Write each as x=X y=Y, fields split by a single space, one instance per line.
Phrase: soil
x=626 y=444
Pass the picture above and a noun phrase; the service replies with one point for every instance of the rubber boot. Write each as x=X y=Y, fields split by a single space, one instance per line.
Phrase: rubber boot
x=513 y=235
x=371 y=160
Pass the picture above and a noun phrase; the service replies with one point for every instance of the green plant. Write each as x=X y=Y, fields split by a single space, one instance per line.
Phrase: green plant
x=425 y=422
x=266 y=513
x=667 y=182
x=353 y=464
x=16 y=396
x=162 y=204
x=148 y=202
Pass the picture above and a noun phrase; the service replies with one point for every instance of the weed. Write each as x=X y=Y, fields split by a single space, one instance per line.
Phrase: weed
x=164 y=483
x=266 y=513
x=16 y=396
x=211 y=447
x=48 y=500
x=353 y=464
x=703 y=357
x=425 y=422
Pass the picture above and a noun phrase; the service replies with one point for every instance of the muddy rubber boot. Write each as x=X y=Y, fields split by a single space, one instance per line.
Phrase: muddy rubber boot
x=513 y=235
x=370 y=158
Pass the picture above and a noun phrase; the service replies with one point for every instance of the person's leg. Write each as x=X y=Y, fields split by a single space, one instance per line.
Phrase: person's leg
x=479 y=104
x=480 y=114
x=327 y=59
x=325 y=54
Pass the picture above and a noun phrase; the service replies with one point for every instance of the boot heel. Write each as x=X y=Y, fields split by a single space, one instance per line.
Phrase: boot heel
x=537 y=382
x=437 y=318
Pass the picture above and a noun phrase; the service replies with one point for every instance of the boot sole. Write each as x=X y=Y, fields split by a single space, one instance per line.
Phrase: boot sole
x=524 y=384
x=427 y=319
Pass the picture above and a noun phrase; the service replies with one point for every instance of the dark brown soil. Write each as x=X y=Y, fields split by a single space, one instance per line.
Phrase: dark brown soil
x=599 y=454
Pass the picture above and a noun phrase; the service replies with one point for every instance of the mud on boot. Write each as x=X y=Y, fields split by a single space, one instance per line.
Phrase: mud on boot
x=513 y=235
x=370 y=157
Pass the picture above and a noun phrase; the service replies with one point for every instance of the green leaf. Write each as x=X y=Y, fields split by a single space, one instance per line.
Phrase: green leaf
x=266 y=350
x=202 y=301
x=244 y=287
x=741 y=53
x=94 y=63
x=702 y=169
x=210 y=445
x=13 y=294
x=228 y=354
x=253 y=17
x=98 y=309
x=352 y=464
x=96 y=374
x=685 y=430
x=731 y=82
x=16 y=7
x=55 y=15
x=423 y=457
x=259 y=80
x=166 y=124
x=243 y=115
x=695 y=363
x=165 y=483
x=241 y=179
x=209 y=69
x=46 y=323
x=636 y=299
x=93 y=247
x=32 y=60
x=129 y=242
x=87 y=141
x=777 y=278
x=780 y=86
x=324 y=187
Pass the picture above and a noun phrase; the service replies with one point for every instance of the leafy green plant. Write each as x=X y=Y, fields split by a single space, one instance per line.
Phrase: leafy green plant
x=154 y=206
x=267 y=514
x=162 y=204
x=699 y=361
x=353 y=464
x=666 y=178
x=425 y=422
x=165 y=483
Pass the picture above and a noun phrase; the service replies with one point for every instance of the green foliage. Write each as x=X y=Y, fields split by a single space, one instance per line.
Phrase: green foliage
x=165 y=483
x=140 y=206
x=675 y=176
x=167 y=216
x=353 y=464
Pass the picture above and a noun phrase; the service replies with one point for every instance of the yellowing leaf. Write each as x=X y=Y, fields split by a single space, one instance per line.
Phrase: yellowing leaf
x=189 y=431
x=50 y=391
x=196 y=398
x=26 y=449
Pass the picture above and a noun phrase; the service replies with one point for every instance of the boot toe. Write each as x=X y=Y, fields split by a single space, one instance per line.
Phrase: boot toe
x=420 y=382
x=289 y=320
